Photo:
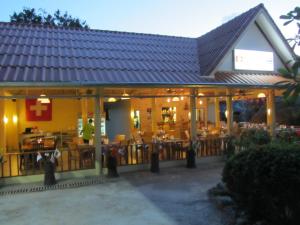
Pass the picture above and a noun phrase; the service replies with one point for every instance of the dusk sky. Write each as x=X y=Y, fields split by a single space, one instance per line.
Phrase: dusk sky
x=190 y=18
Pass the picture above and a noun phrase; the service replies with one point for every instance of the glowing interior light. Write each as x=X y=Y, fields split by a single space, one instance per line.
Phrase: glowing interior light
x=15 y=119
x=200 y=94
x=5 y=119
x=175 y=99
x=269 y=112
x=261 y=95
x=125 y=96
x=201 y=102
x=168 y=100
x=181 y=98
x=43 y=99
x=226 y=113
x=112 y=99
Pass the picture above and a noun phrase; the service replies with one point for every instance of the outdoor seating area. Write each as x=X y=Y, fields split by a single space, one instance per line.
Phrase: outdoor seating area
x=130 y=95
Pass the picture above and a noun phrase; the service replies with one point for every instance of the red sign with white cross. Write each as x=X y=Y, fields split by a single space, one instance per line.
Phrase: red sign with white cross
x=37 y=111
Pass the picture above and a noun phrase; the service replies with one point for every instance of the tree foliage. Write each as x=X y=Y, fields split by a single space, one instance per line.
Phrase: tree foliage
x=41 y=17
x=293 y=16
x=292 y=89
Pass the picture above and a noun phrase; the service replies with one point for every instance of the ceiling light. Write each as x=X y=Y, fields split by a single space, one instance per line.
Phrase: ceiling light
x=112 y=99
x=125 y=96
x=200 y=94
x=261 y=95
x=43 y=99
x=175 y=99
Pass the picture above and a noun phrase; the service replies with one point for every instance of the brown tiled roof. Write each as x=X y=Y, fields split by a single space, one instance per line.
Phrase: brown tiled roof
x=213 y=45
x=32 y=55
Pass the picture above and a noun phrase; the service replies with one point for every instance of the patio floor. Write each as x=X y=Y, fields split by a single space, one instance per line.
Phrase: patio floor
x=176 y=196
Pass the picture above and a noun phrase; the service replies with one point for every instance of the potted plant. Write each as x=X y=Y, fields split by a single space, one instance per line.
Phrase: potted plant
x=191 y=154
x=49 y=160
x=112 y=162
x=155 y=157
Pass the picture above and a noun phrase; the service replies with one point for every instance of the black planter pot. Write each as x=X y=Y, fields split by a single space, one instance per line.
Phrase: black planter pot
x=154 y=162
x=190 y=159
x=112 y=166
x=49 y=178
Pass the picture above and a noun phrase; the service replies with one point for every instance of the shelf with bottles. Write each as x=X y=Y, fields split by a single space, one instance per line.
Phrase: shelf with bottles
x=168 y=114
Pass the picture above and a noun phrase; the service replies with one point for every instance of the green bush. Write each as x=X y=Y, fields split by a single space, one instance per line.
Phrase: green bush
x=265 y=181
x=287 y=135
x=254 y=136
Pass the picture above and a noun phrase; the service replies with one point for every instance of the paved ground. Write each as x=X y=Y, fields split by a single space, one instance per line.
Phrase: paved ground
x=176 y=196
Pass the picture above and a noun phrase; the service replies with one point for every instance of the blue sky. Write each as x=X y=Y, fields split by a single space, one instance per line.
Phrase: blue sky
x=190 y=18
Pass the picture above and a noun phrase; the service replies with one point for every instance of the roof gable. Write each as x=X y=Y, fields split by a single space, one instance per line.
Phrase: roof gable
x=213 y=45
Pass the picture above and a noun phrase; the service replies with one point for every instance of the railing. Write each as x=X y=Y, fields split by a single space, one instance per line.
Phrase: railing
x=25 y=163
x=137 y=154
x=211 y=146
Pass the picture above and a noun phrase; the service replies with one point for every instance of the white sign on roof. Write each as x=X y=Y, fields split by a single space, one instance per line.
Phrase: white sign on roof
x=253 y=60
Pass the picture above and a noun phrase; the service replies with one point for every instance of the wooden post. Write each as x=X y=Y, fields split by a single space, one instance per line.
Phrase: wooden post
x=271 y=112
x=193 y=99
x=206 y=112
x=153 y=115
x=2 y=125
x=229 y=109
x=97 y=122
x=217 y=112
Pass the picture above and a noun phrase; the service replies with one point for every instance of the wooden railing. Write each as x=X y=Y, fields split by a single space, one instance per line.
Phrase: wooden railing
x=135 y=154
x=211 y=146
x=25 y=163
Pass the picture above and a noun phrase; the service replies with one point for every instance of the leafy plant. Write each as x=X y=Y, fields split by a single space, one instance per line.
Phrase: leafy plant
x=253 y=136
x=266 y=182
x=292 y=72
x=41 y=17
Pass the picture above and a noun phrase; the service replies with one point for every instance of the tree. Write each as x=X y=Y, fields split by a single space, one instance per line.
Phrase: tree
x=292 y=88
x=41 y=17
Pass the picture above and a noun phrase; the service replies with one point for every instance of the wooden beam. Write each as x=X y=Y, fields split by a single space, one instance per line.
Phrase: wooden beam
x=271 y=112
x=97 y=139
x=193 y=127
x=217 y=113
x=229 y=108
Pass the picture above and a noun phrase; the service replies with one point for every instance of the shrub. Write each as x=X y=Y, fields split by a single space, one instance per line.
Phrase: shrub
x=254 y=136
x=286 y=135
x=266 y=182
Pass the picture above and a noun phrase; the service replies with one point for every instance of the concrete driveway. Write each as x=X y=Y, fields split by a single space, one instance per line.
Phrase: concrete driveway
x=175 y=196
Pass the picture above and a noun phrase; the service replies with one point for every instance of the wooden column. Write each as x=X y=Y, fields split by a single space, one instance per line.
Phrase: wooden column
x=206 y=112
x=217 y=112
x=2 y=125
x=153 y=115
x=229 y=108
x=271 y=112
x=193 y=127
x=97 y=122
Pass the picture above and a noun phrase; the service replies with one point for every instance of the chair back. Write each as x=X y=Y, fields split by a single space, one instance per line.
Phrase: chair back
x=187 y=134
x=119 y=138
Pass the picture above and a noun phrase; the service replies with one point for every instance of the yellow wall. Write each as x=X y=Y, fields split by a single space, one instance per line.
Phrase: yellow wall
x=64 y=117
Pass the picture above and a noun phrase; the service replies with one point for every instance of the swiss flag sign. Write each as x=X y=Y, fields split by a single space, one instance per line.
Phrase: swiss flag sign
x=37 y=111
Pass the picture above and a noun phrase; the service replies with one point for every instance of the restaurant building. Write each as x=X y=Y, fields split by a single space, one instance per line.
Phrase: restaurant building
x=137 y=88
